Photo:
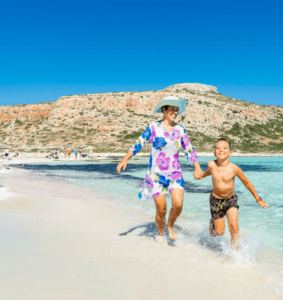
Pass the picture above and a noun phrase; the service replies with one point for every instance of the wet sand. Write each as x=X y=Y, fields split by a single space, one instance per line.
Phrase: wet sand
x=60 y=241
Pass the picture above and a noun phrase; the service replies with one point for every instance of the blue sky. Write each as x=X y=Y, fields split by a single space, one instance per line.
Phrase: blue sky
x=56 y=48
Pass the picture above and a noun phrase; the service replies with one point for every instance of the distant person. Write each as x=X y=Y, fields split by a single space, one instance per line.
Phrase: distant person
x=69 y=153
x=81 y=154
x=76 y=153
x=65 y=153
x=223 y=200
x=56 y=154
x=6 y=153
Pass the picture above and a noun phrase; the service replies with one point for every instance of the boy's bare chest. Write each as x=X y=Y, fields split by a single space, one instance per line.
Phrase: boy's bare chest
x=223 y=174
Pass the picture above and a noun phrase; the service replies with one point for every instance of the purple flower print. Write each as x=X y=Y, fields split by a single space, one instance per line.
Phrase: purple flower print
x=176 y=175
x=147 y=183
x=193 y=157
x=185 y=141
x=166 y=134
x=162 y=161
x=153 y=133
x=176 y=162
x=155 y=195
x=175 y=134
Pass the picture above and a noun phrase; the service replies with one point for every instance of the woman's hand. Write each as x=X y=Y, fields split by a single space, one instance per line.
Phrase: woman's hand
x=122 y=164
x=124 y=161
x=197 y=174
x=197 y=171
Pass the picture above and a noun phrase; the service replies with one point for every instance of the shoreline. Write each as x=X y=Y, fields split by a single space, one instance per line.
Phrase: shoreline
x=65 y=242
x=104 y=156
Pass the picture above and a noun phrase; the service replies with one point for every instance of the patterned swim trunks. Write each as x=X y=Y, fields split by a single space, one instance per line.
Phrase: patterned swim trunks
x=219 y=207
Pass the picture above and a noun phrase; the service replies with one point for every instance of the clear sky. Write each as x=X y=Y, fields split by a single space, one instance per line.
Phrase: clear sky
x=56 y=48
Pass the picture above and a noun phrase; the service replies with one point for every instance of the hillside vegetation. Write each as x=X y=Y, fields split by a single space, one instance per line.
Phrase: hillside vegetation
x=110 y=122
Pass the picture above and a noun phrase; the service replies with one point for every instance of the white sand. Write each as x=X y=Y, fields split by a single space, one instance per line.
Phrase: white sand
x=59 y=242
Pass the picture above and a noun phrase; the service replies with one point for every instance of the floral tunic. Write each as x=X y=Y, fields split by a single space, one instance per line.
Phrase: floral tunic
x=164 y=172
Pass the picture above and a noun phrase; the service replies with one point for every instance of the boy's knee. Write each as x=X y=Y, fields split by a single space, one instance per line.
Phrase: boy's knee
x=220 y=232
x=234 y=229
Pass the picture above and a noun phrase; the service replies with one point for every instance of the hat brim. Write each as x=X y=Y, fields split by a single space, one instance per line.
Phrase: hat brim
x=181 y=103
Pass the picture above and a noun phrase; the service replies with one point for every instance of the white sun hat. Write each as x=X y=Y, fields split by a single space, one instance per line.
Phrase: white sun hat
x=173 y=101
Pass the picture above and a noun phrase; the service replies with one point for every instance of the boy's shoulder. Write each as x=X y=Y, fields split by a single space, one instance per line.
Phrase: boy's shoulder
x=211 y=163
x=235 y=167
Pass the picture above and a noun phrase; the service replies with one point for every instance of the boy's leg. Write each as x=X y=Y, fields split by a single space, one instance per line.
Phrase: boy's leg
x=219 y=225
x=232 y=217
x=161 y=207
x=177 y=196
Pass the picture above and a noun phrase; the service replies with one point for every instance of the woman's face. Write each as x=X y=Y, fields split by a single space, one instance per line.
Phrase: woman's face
x=171 y=113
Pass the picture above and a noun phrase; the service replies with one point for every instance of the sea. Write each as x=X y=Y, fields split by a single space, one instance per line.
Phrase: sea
x=261 y=230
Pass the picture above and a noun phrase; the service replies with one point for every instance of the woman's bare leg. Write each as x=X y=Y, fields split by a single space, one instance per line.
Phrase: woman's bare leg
x=161 y=207
x=177 y=196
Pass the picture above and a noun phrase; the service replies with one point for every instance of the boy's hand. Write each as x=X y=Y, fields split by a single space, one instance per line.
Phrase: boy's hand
x=262 y=203
x=198 y=174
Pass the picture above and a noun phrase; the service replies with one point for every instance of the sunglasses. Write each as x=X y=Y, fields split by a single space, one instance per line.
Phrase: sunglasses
x=174 y=109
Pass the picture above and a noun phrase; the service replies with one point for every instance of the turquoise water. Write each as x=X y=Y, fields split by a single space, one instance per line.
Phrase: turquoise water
x=261 y=238
x=266 y=174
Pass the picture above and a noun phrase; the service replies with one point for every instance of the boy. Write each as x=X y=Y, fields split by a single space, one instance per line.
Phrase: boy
x=223 y=200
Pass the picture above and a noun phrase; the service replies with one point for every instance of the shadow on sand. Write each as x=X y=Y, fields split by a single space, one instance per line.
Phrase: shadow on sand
x=202 y=238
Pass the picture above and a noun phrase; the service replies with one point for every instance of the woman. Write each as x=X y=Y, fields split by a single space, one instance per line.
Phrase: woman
x=164 y=173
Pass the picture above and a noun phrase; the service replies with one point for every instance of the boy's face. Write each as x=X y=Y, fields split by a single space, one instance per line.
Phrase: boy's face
x=222 y=150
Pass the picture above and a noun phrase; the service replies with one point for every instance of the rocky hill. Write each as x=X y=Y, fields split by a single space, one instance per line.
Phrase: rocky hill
x=110 y=122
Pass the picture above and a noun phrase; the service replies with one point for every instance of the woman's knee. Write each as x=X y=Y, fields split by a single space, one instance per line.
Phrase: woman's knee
x=161 y=212
x=177 y=207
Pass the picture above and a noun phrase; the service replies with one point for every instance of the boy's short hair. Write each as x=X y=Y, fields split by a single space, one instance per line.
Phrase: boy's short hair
x=223 y=139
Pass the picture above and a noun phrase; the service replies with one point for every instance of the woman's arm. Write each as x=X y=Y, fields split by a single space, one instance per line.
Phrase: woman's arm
x=190 y=153
x=124 y=161
x=141 y=141
x=137 y=146
x=197 y=171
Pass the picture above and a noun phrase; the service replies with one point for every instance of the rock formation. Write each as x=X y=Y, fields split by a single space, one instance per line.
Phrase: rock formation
x=110 y=122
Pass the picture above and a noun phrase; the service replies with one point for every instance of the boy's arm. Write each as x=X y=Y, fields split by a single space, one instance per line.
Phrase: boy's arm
x=250 y=187
x=206 y=173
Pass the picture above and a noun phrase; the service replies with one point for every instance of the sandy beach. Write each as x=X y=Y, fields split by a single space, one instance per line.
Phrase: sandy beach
x=61 y=241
